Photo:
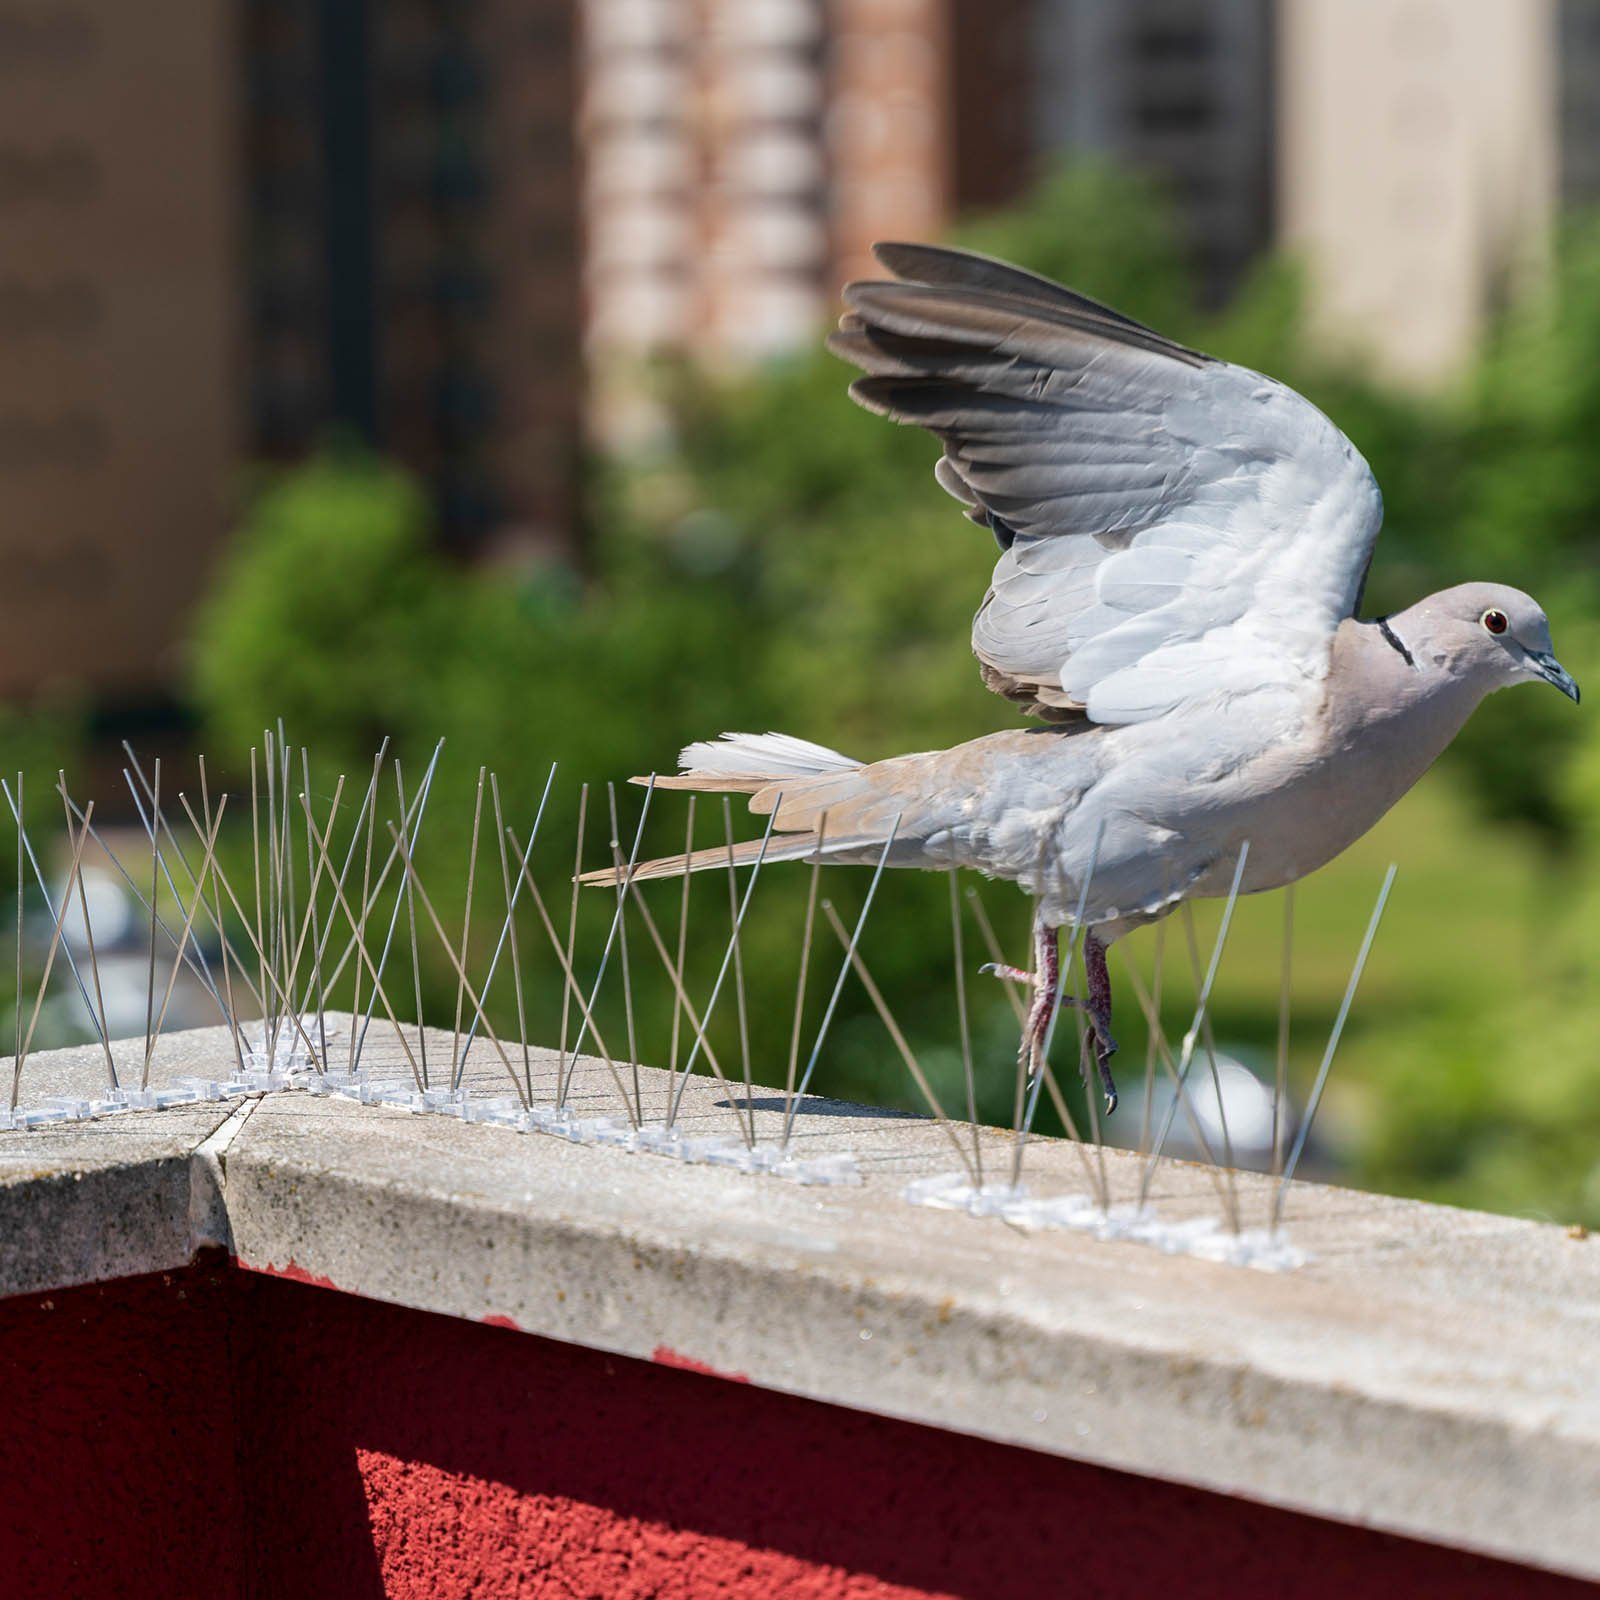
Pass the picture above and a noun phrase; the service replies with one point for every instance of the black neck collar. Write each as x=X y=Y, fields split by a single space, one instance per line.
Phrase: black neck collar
x=1395 y=640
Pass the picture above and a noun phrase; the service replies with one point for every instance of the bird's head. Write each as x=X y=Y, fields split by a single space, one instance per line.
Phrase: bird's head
x=1487 y=632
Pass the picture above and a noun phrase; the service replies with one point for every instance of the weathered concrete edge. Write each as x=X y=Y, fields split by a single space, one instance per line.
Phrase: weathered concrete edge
x=896 y=1346
x=81 y=1213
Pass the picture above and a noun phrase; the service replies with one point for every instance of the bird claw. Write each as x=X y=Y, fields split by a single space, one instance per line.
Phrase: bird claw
x=1104 y=1051
x=1001 y=969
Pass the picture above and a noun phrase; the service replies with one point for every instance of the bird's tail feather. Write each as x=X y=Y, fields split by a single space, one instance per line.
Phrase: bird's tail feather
x=768 y=756
x=759 y=765
x=784 y=847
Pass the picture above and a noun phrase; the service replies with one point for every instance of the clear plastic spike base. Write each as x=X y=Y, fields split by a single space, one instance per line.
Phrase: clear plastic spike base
x=266 y=1070
x=1208 y=1238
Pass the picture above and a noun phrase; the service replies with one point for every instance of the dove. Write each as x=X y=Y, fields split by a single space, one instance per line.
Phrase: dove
x=1183 y=546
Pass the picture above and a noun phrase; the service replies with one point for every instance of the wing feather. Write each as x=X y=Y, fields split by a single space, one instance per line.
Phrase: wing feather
x=1171 y=526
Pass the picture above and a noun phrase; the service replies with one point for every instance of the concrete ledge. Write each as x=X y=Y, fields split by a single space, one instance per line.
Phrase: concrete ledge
x=1430 y=1372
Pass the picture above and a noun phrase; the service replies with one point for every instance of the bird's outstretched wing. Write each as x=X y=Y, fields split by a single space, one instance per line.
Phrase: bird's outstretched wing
x=1172 y=527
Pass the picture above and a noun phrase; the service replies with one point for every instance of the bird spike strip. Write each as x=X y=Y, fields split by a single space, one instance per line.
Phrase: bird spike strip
x=279 y=909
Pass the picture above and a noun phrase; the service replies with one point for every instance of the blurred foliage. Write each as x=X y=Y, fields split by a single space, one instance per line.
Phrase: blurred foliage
x=787 y=561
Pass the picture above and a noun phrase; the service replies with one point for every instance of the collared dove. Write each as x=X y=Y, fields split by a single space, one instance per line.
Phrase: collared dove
x=1183 y=546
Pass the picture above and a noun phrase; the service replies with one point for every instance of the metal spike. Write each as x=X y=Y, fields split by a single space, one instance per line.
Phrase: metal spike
x=466 y=933
x=510 y=929
x=49 y=962
x=1208 y=1039
x=1280 y=1095
x=572 y=939
x=97 y=1012
x=183 y=938
x=359 y=928
x=369 y=799
x=571 y=991
x=1192 y=1037
x=255 y=860
x=313 y=861
x=200 y=972
x=1333 y=1044
x=216 y=917
x=1153 y=1033
x=505 y=927
x=414 y=835
x=805 y=963
x=838 y=986
x=155 y=890
x=964 y=1028
x=1164 y=1055
x=617 y=917
x=853 y=958
x=735 y=919
x=219 y=876
x=701 y=1041
x=683 y=947
x=197 y=959
x=461 y=971
x=25 y=849
x=622 y=927
x=411 y=923
x=16 y=1054
x=727 y=956
x=292 y=971
x=324 y=844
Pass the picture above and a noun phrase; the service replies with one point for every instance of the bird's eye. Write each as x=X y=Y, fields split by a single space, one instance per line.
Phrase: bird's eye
x=1494 y=621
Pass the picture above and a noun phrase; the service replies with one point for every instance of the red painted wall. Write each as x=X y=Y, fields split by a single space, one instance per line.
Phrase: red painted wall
x=226 y=1434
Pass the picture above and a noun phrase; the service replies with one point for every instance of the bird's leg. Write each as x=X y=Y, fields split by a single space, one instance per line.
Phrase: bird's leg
x=1099 y=1009
x=1046 y=981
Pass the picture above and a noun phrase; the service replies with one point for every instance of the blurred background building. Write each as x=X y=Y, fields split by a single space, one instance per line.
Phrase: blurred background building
x=455 y=228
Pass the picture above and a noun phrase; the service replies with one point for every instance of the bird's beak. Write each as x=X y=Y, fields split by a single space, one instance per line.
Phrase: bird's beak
x=1551 y=670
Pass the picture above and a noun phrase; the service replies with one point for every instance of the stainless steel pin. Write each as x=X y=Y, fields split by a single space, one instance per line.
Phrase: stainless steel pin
x=183 y=937
x=571 y=990
x=324 y=844
x=411 y=928
x=853 y=958
x=738 y=964
x=572 y=939
x=49 y=962
x=219 y=876
x=627 y=974
x=510 y=929
x=1208 y=1040
x=727 y=956
x=805 y=965
x=683 y=950
x=1337 y=1032
x=155 y=890
x=1192 y=1037
x=216 y=917
x=360 y=927
x=461 y=971
x=97 y=1012
x=838 y=985
x=701 y=1041
x=466 y=933
x=1280 y=1093
x=963 y=1026
x=516 y=890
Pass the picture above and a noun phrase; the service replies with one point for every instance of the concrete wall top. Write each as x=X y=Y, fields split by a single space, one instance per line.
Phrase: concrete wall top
x=1428 y=1371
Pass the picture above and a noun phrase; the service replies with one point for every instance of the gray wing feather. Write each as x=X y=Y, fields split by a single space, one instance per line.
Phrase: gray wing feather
x=1158 y=511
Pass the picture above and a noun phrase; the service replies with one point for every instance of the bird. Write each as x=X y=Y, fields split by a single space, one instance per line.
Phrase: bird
x=1183 y=547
